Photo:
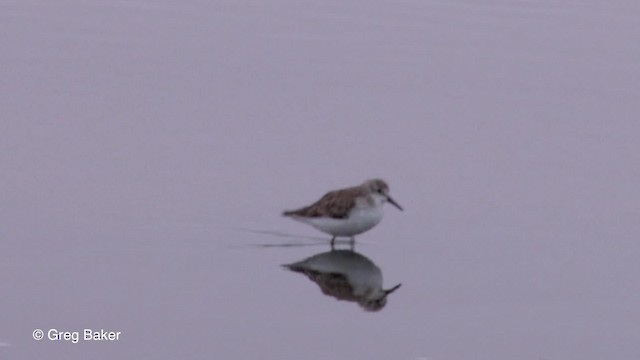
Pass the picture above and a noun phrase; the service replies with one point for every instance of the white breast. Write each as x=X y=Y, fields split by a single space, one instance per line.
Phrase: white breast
x=360 y=220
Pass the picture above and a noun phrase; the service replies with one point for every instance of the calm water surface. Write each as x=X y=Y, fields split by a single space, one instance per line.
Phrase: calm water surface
x=148 y=148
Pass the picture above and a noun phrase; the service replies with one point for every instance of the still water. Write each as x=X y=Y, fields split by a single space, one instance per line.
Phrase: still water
x=148 y=149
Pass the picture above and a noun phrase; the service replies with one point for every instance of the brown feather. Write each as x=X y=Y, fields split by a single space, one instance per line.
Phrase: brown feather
x=335 y=204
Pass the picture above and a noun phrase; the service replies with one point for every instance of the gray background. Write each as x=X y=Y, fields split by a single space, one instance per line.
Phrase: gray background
x=143 y=144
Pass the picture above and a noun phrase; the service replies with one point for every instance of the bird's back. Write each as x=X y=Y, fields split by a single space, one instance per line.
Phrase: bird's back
x=334 y=204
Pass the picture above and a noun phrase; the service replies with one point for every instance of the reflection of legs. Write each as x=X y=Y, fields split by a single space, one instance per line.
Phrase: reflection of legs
x=352 y=242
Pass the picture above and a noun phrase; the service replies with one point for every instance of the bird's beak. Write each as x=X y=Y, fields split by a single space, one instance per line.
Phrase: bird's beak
x=394 y=203
x=387 y=292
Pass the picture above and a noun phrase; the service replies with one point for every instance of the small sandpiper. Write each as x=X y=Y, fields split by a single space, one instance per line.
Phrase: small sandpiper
x=347 y=212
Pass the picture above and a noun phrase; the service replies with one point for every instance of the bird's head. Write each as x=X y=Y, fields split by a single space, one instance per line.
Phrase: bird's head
x=380 y=187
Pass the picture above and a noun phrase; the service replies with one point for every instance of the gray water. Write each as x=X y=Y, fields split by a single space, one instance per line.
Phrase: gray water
x=147 y=149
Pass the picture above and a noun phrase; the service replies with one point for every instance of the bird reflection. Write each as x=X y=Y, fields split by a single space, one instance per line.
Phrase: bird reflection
x=346 y=275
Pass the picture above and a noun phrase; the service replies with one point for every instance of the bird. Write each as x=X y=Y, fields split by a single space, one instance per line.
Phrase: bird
x=347 y=212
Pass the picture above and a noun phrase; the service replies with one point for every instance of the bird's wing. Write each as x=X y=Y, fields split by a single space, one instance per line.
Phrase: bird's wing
x=334 y=204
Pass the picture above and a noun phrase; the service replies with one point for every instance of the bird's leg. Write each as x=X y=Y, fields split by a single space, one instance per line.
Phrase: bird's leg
x=352 y=243
x=333 y=241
